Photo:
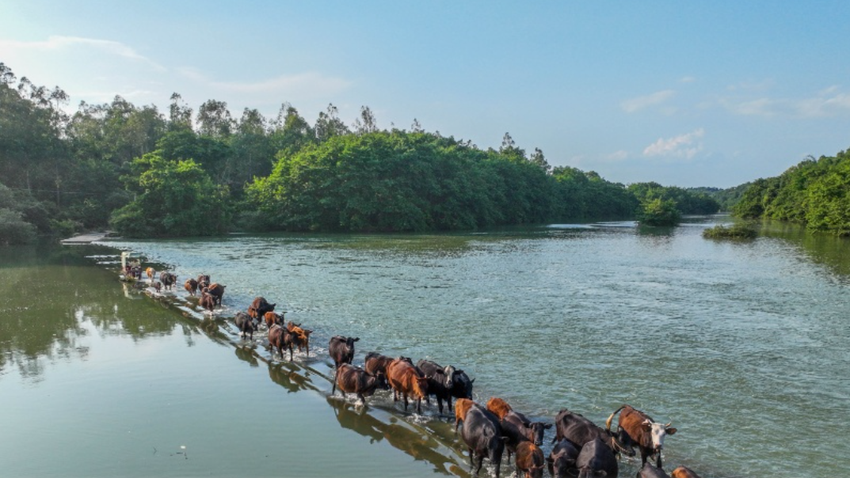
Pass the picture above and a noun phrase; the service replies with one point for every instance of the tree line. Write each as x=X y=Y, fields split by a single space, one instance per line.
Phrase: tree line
x=145 y=173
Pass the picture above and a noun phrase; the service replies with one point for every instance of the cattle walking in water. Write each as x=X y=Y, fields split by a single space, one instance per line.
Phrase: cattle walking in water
x=207 y=302
x=376 y=362
x=529 y=460
x=300 y=337
x=683 y=472
x=217 y=291
x=498 y=407
x=191 y=286
x=579 y=430
x=462 y=406
x=596 y=458
x=168 y=279
x=482 y=435
x=258 y=308
x=245 y=324
x=351 y=379
x=150 y=272
x=272 y=318
x=562 y=459
x=203 y=281
x=649 y=471
x=643 y=431
x=406 y=381
x=341 y=349
x=280 y=338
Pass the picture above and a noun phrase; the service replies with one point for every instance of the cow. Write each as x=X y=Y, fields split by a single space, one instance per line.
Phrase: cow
x=406 y=381
x=341 y=349
x=562 y=459
x=580 y=430
x=245 y=324
x=683 y=472
x=649 y=471
x=376 y=362
x=300 y=337
x=272 y=318
x=596 y=458
x=351 y=379
x=458 y=383
x=462 y=406
x=259 y=307
x=203 y=281
x=529 y=459
x=280 y=338
x=217 y=291
x=482 y=435
x=168 y=279
x=643 y=431
x=498 y=407
x=532 y=431
x=437 y=382
x=150 y=273
x=207 y=301
x=191 y=286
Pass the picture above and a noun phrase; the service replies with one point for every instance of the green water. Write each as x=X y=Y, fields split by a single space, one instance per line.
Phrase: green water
x=744 y=346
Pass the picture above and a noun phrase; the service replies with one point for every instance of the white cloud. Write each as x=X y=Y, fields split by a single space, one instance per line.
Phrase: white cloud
x=687 y=79
x=641 y=102
x=684 y=146
x=306 y=84
x=55 y=42
x=616 y=156
x=827 y=103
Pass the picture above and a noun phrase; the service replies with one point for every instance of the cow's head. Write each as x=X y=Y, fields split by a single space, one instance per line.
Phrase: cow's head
x=619 y=442
x=535 y=430
x=350 y=341
x=657 y=432
x=448 y=373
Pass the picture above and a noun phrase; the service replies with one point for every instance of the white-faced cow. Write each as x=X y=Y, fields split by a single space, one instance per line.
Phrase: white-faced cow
x=643 y=431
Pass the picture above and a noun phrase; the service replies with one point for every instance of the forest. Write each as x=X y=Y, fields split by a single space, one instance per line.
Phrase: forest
x=143 y=173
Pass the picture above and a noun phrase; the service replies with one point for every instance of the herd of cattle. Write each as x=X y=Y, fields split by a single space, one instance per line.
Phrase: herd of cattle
x=581 y=448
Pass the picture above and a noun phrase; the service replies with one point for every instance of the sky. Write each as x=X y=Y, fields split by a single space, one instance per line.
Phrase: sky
x=714 y=93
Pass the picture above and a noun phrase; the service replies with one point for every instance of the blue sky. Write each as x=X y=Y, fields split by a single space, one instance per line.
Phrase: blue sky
x=683 y=93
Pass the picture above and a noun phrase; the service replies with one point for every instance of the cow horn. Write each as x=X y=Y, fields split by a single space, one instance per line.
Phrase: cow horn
x=668 y=424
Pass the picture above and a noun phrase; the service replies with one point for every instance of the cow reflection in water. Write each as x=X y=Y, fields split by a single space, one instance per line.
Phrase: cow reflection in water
x=416 y=443
x=290 y=376
x=246 y=354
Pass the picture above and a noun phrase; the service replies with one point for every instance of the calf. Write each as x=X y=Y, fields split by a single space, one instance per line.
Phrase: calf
x=406 y=381
x=562 y=459
x=279 y=339
x=207 y=302
x=596 y=458
x=245 y=324
x=300 y=337
x=341 y=349
x=643 y=431
x=498 y=407
x=580 y=430
x=529 y=459
x=217 y=291
x=351 y=379
x=168 y=279
x=259 y=307
x=649 y=471
x=191 y=286
x=683 y=472
x=482 y=435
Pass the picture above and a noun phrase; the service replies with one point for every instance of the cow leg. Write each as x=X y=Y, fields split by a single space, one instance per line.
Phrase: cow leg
x=419 y=406
x=405 y=401
x=440 y=405
x=658 y=460
x=471 y=459
x=480 y=462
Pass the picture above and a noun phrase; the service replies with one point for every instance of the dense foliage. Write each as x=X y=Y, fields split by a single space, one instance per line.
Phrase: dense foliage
x=735 y=231
x=149 y=174
x=815 y=192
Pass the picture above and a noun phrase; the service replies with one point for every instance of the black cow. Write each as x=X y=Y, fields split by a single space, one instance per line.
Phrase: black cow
x=168 y=279
x=437 y=381
x=460 y=385
x=258 y=308
x=483 y=436
x=533 y=431
x=562 y=459
x=245 y=324
x=341 y=349
x=579 y=430
x=596 y=458
x=649 y=471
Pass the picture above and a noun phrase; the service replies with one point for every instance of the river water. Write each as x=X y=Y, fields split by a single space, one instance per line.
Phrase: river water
x=744 y=346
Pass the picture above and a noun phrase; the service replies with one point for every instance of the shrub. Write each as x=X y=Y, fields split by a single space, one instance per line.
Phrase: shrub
x=736 y=231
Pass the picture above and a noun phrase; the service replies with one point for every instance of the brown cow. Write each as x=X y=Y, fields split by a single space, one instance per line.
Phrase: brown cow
x=191 y=286
x=498 y=407
x=258 y=308
x=217 y=291
x=272 y=318
x=207 y=301
x=280 y=338
x=683 y=472
x=462 y=406
x=529 y=459
x=203 y=281
x=405 y=380
x=300 y=337
x=643 y=431
x=245 y=324
x=376 y=362
x=150 y=273
x=351 y=379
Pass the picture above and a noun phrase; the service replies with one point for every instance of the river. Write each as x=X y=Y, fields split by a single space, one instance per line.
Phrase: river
x=744 y=346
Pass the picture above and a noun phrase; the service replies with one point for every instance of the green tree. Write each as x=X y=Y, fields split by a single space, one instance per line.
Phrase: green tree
x=659 y=212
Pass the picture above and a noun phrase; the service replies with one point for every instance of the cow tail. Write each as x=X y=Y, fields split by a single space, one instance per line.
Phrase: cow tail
x=611 y=418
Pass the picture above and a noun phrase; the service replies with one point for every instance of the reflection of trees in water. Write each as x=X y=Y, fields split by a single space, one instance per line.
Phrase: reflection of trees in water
x=827 y=250
x=409 y=438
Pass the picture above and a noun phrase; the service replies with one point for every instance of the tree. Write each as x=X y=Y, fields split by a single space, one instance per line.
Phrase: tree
x=659 y=212
x=329 y=125
x=214 y=120
x=366 y=123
